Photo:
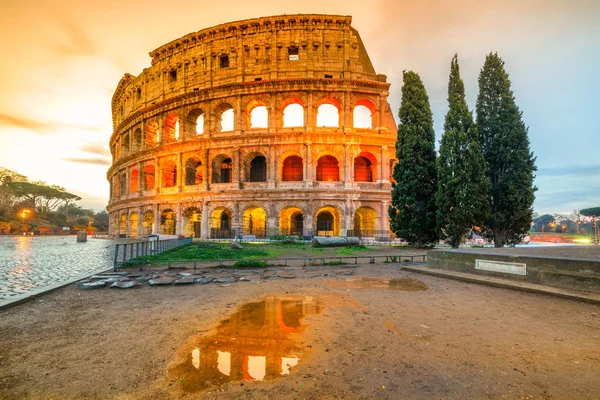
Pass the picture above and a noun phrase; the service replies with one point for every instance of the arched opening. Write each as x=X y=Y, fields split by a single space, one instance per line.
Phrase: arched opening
x=133 y=225
x=137 y=140
x=123 y=184
x=133 y=181
x=192 y=221
x=293 y=116
x=171 y=129
x=328 y=169
x=193 y=171
x=227 y=124
x=195 y=122
x=255 y=222
x=328 y=116
x=116 y=186
x=167 y=222
x=291 y=221
x=362 y=117
x=220 y=223
x=123 y=226
x=125 y=143
x=293 y=169
x=364 y=168
x=258 y=169
x=149 y=174
x=148 y=223
x=222 y=168
x=328 y=221
x=168 y=174
x=366 y=222
x=151 y=133
x=259 y=117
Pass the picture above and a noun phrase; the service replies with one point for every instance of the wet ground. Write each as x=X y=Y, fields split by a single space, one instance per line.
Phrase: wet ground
x=379 y=333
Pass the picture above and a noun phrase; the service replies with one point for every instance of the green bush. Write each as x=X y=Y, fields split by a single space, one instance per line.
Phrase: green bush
x=250 y=264
x=334 y=262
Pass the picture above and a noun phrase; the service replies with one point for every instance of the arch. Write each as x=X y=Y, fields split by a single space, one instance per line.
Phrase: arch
x=291 y=221
x=137 y=140
x=328 y=169
x=365 y=167
x=220 y=223
x=123 y=225
x=193 y=171
x=133 y=224
x=115 y=181
x=167 y=222
x=328 y=112
x=226 y=116
x=292 y=110
x=292 y=169
x=125 y=144
x=366 y=222
x=149 y=177
x=254 y=221
x=222 y=169
x=171 y=128
x=364 y=112
x=257 y=114
x=148 y=223
x=192 y=220
x=133 y=181
x=195 y=122
x=123 y=184
x=258 y=169
x=168 y=174
x=328 y=220
x=151 y=133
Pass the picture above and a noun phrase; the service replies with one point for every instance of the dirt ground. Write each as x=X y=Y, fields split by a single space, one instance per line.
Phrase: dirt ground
x=435 y=339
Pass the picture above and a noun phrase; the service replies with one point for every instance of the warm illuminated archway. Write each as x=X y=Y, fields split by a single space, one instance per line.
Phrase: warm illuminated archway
x=133 y=181
x=123 y=225
x=259 y=117
x=366 y=222
x=293 y=169
x=125 y=145
x=328 y=116
x=195 y=122
x=193 y=171
x=291 y=221
x=151 y=133
x=149 y=177
x=293 y=115
x=222 y=168
x=226 y=116
x=171 y=129
x=133 y=225
x=192 y=220
x=220 y=223
x=167 y=222
x=255 y=222
x=328 y=221
x=123 y=184
x=168 y=174
x=148 y=223
x=328 y=169
x=364 y=167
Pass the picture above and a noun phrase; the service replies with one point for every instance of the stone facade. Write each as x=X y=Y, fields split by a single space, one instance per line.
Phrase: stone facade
x=257 y=127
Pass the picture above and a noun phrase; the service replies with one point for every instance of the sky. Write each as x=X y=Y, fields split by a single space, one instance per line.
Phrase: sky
x=62 y=60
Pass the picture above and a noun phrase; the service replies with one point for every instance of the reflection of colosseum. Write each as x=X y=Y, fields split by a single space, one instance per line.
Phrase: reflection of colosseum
x=257 y=127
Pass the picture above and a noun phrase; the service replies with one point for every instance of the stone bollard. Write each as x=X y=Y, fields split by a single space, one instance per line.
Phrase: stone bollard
x=81 y=237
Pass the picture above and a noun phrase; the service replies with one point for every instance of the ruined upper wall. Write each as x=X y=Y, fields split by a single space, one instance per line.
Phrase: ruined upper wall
x=309 y=46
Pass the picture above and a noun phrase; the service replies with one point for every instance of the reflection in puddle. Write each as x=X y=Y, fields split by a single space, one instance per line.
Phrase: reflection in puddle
x=406 y=284
x=256 y=343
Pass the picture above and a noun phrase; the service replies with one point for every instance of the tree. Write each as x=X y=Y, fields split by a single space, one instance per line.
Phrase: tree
x=594 y=213
x=101 y=221
x=412 y=210
x=543 y=223
x=461 y=195
x=510 y=163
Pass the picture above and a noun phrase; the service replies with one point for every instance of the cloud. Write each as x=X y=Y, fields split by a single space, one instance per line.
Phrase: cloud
x=78 y=43
x=92 y=161
x=95 y=149
x=579 y=170
x=42 y=127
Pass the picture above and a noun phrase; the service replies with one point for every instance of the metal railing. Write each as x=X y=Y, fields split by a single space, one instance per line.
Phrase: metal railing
x=284 y=262
x=126 y=252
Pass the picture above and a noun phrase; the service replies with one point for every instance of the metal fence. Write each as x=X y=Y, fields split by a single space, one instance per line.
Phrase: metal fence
x=125 y=252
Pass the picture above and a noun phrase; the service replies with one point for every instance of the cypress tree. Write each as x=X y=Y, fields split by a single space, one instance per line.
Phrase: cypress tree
x=510 y=164
x=462 y=184
x=412 y=210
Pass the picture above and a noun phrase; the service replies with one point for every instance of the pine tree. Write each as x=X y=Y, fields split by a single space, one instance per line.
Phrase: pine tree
x=412 y=211
x=462 y=184
x=510 y=164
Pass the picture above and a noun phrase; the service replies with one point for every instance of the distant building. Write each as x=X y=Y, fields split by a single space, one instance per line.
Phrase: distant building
x=256 y=127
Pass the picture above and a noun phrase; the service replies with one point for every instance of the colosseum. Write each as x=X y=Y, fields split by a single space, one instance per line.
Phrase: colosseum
x=276 y=125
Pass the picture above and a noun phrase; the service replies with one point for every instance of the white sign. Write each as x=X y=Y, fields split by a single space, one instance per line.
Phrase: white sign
x=294 y=57
x=499 y=266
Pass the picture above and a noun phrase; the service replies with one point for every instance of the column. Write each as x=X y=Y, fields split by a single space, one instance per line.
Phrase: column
x=204 y=228
x=207 y=177
x=140 y=179
x=384 y=220
x=237 y=171
x=179 y=220
x=179 y=172
x=308 y=176
x=156 y=176
x=140 y=222
x=156 y=227
x=383 y=178
x=347 y=183
x=346 y=218
x=308 y=219
x=271 y=172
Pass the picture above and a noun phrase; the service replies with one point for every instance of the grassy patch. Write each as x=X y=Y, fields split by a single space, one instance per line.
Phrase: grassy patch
x=350 y=250
x=211 y=252
x=334 y=262
x=250 y=264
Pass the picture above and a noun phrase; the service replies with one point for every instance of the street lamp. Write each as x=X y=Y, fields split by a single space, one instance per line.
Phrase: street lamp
x=24 y=213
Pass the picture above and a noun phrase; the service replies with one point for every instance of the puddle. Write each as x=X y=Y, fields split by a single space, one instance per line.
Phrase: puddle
x=258 y=342
x=406 y=284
